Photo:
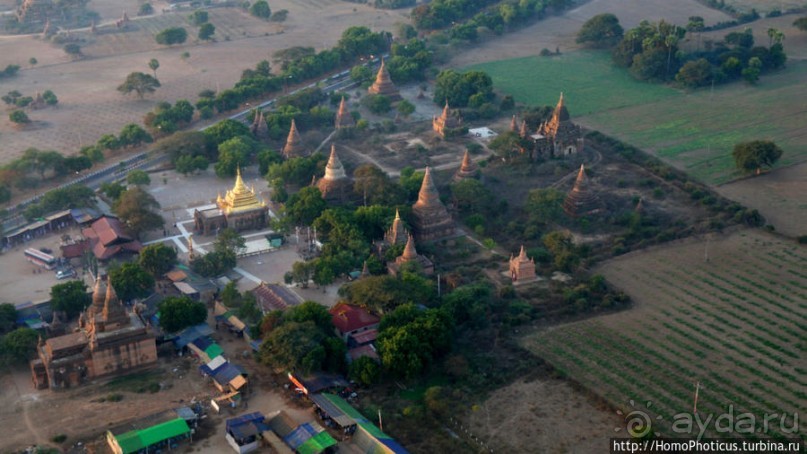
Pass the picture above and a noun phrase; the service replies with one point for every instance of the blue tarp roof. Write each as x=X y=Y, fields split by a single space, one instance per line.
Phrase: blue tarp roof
x=211 y=372
x=227 y=372
x=244 y=419
x=203 y=342
x=299 y=435
x=191 y=334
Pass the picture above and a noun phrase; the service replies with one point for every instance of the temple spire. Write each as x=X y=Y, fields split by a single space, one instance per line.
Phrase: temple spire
x=383 y=84
x=98 y=295
x=580 y=199
x=468 y=168
x=428 y=195
x=343 y=117
x=513 y=126
x=409 y=252
x=293 y=147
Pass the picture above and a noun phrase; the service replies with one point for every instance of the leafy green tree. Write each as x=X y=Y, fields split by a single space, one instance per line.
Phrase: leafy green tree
x=198 y=17
x=410 y=344
x=206 y=31
x=361 y=74
x=138 y=210
x=8 y=317
x=93 y=152
x=751 y=156
x=172 y=35
x=374 y=186
x=377 y=104
x=260 y=9
x=77 y=163
x=73 y=50
x=113 y=190
x=133 y=135
x=19 y=117
x=602 y=30
x=801 y=23
x=405 y=108
x=458 y=89
x=305 y=205
x=226 y=130
x=145 y=9
x=157 y=259
x=69 y=297
x=751 y=72
x=544 y=205
x=233 y=153
x=560 y=245
x=364 y=371
x=18 y=345
x=470 y=196
x=310 y=311
x=131 y=281
x=228 y=240
x=138 y=177
x=180 y=312
x=188 y=164
x=696 y=73
x=154 y=64
x=140 y=83
x=50 y=98
x=109 y=142
x=294 y=346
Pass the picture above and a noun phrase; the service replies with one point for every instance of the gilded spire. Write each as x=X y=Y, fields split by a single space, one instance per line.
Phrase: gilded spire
x=428 y=195
x=293 y=145
x=409 y=252
x=240 y=198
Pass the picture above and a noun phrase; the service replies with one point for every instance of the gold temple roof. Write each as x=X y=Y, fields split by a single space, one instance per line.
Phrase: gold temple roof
x=239 y=198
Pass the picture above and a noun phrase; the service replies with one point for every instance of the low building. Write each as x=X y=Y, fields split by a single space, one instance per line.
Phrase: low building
x=349 y=320
x=243 y=433
x=274 y=297
x=165 y=436
x=522 y=268
x=558 y=136
x=108 y=237
x=239 y=210
x=366 y=436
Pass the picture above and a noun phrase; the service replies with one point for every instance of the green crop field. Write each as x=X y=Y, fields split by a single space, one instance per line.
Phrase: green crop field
x=734 y=324
x=694 y=131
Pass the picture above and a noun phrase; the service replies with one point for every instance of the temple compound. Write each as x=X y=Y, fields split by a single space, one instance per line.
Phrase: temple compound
x=383 y=84
x=239 y=210
x=343 y=117
x=410 y=255
x=581 y=200
x=110 y=341
x=431 y=219
x=468 y=169
x=558 y=136
x=522 y=268
x=448 y=124
x=335 y=186
x=294 y=145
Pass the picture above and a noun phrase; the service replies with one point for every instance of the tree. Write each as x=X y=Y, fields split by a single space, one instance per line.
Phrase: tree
x=180 y=312
x=145 y=9
x=157 y=259
x=459 y=89
x=294 y=346
x=310 y=311
x=112 y=190
x=77 y=163
x=138 y=210
x=109 y=142
x=377 y=104
x=73 y=49
x=19 y=117
x=198 y=17
x=18 y=345
x=226 y=130
x=70 y=297
x=141 y=83
x=752 y=71
x=172 y=35
x=750 y=157
x=50 y=98
x=206 y=31
x=228 y=240
x=260 y=9
x=697 y=73
x=233 y=154
x=305 y=205
x=411 y=340
x=188 y=164
x=364 y=370
x=133 y=135
x=405 y=108
x=602 y=30
x=8 y=317
x=138 y=178
x=154 y=64
x=801 y=23
x=131 y=281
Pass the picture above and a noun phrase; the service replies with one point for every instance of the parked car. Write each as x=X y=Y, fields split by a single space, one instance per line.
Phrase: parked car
x=65 y=274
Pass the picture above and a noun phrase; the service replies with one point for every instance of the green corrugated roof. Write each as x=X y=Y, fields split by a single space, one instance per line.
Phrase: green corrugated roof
x=316 y=444
x=373 y=430
x=129 y=442
x=213 y=350
x=344 y=406
x=164 y=431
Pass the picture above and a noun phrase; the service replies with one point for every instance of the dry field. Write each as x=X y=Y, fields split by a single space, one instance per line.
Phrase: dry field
x=764 y=6
x=781 y=196
x=545 y=415
x=89 y=105
x=560 y=31
x=734 y=323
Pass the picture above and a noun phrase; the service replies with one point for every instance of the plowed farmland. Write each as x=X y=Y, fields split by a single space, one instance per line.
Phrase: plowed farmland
x=735 y=323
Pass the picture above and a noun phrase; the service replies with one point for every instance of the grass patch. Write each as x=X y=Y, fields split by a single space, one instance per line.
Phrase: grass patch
x=694 y=131
x=589 y=81
x=141 y=382
x=415 y=394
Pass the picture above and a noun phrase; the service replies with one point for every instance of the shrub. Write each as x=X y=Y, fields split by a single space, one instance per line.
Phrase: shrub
x=59 y=438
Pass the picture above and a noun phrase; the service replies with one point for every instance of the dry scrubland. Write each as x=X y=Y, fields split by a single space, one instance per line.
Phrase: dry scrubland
x=766 y=5
x=734 y=323
x=89 y=105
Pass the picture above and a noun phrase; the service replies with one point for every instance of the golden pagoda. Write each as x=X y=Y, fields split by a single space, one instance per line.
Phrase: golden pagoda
x=239 y=209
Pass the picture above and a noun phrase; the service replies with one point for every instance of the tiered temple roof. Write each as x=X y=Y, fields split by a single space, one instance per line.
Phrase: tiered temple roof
x=431 y=219
x=114 y=314
x=397 y=233
x=294 y=145
x=410 y=255
x=343 y=117
x=558 y=135
x=383 y=84
x=259 y=127
x=446 y=123
x=522 y=268
x=335 y=185
x=239 y=198
x=468 y=168
x=581 y=200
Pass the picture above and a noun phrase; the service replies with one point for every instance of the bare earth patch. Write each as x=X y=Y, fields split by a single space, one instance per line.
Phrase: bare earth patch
x=546 y=416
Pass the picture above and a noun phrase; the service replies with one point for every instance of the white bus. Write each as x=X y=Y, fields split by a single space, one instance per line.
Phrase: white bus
x=38 y=257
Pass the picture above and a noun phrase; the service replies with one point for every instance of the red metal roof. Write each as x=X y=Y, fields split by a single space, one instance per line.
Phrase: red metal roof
x=273 y=297
x=108 y=236
x=347 y=318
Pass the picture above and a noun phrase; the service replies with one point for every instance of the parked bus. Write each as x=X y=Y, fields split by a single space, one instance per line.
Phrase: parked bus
x=38 y=257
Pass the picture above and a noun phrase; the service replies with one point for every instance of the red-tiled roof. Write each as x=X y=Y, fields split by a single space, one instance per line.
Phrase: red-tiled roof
x=364 y=350
x=108 y=237
x=365 y=337
x=75 y=250
x=273 y=297
x=110 y=230
x=347 y=318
